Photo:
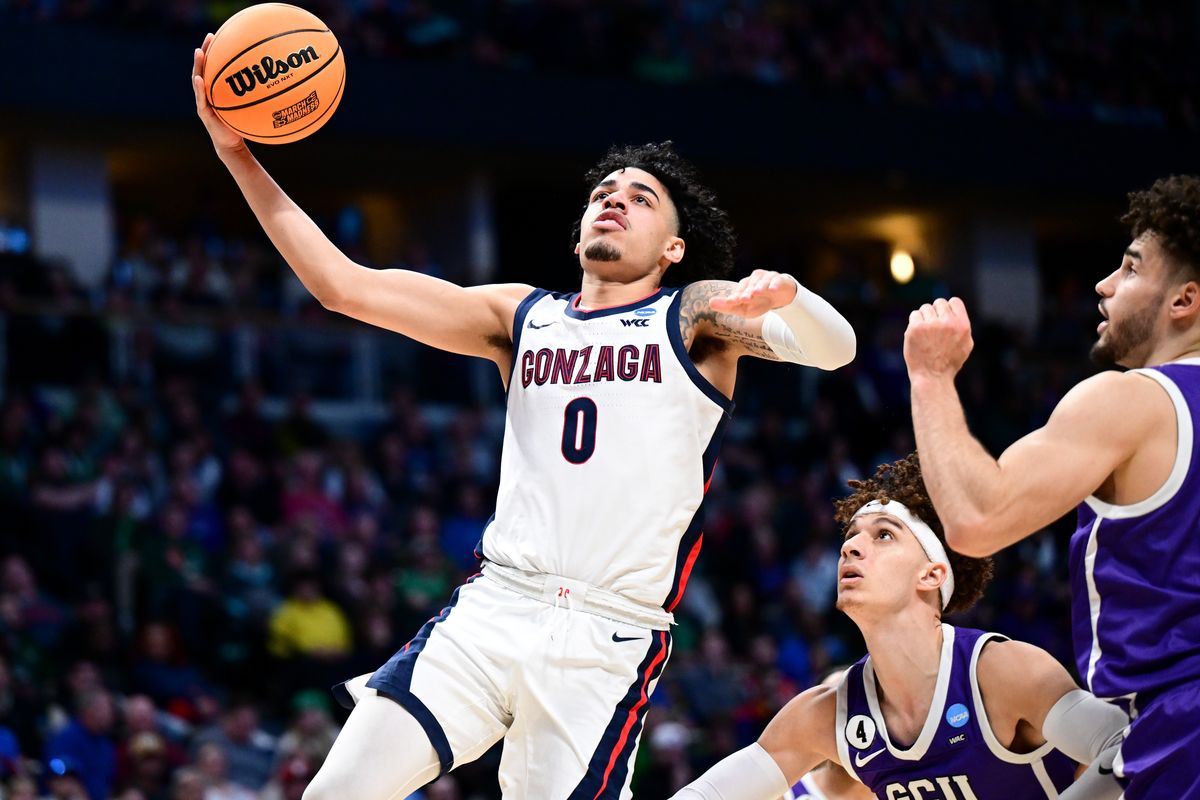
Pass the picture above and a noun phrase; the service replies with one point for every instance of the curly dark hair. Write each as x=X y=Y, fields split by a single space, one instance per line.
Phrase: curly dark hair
x=1170 y=211
x=702 y=225
x=901 y=481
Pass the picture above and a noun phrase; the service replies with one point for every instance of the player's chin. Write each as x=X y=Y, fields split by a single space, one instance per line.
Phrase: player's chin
x=846 y=599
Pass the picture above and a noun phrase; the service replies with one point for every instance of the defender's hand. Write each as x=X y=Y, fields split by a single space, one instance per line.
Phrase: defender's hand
x=757 y=294
x=225 y=139
x=938 y=339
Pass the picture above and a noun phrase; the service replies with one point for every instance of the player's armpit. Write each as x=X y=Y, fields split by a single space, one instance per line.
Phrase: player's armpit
x=697 y=318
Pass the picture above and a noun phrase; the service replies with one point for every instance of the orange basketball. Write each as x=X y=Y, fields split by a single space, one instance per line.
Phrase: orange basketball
x=274 y=73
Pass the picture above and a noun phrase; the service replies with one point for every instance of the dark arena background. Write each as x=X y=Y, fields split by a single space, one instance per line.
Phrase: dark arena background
x=217 y=499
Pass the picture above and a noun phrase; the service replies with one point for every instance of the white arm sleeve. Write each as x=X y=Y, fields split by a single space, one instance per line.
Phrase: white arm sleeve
x=809 y=331
x=748 y=774
x=1083 y=726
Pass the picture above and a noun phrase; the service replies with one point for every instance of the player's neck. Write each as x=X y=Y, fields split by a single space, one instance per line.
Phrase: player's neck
x=599 y=293
x=906 y=654
x=1174 y=350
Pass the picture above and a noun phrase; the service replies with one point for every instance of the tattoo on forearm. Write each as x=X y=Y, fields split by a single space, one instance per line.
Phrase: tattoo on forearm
x=695 y=309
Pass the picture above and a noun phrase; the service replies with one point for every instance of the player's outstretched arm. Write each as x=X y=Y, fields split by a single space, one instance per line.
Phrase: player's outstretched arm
x=800 y=737
x=986 y=503
x=472 y=321
x=768 y=315
x=1045 y=705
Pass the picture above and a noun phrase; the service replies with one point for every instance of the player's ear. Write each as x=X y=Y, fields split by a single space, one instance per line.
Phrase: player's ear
x=933 y=575
x=577 y=248
x=673 y=253
x=1186 y=304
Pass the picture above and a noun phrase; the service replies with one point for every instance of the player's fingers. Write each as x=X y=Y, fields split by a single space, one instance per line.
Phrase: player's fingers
x=914 y=317
x=776 y=281
x=208 y=40
x=958 y=307
x=941 y=308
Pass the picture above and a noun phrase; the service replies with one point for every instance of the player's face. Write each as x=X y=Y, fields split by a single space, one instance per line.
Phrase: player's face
x=880 y=565
x=630 y=226
x=1132 y=302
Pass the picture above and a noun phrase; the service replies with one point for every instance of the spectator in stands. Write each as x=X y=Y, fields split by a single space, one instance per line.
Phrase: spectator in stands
x=211 y=764
x=248 y=750
x=86 y=746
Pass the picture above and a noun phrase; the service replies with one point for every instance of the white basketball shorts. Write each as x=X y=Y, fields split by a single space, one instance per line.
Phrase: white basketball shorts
x=566 y=689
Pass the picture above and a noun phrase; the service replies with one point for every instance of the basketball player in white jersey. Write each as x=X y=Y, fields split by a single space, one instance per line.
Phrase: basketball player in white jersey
x=617 y=399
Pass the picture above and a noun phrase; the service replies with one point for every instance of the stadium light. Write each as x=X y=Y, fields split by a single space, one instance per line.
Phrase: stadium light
x=903 y=267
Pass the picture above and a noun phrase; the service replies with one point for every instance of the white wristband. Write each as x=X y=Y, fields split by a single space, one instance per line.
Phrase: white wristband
x=809 y=331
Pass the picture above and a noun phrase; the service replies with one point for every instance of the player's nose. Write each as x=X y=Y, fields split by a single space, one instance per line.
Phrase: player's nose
x=615 y=200
x=851 y=548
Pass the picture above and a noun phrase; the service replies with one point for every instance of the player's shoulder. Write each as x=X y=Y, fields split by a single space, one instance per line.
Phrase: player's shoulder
x=1108 y=397
x=1005 y=657
x=1013 y=674
x=705 y=289
x=1111 y=383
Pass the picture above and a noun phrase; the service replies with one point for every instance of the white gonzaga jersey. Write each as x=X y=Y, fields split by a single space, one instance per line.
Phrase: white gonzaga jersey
x=610 y=440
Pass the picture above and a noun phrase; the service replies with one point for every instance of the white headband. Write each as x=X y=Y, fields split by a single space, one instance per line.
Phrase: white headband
x=934 y=550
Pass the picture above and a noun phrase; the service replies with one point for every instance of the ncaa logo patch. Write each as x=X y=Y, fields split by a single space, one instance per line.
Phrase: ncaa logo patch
x=645 y=312
x=957 y=715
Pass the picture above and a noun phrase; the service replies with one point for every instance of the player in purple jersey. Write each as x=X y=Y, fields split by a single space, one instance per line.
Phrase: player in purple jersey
x=1120 y=446
x=933 y=712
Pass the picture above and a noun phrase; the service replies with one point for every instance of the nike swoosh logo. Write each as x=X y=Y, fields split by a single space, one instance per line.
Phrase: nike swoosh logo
x=861 y=762
x=626 y=638
x=539 y=327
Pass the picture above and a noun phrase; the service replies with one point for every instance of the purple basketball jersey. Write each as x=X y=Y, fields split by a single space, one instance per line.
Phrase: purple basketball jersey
x=1135 y=570
x=956 y=756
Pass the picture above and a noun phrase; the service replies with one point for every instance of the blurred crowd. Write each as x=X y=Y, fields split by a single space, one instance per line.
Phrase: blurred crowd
x=1064 y=60
x=190 y=561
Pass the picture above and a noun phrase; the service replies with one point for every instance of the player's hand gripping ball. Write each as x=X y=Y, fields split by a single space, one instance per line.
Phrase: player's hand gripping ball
x=274 y=73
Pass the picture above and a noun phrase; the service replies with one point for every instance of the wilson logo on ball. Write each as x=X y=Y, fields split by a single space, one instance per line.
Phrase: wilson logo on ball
x=249 y=78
